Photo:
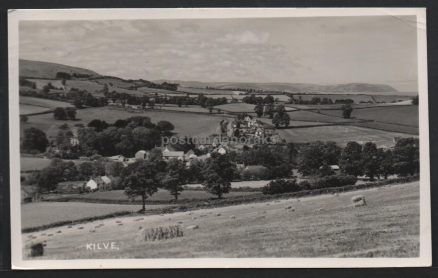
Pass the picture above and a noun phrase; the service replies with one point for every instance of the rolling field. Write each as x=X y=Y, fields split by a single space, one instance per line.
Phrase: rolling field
x=26 y=109
x=301 y=115
x=185 y=124
x=321 y=226
x=390 y=127
x=401 y=115
x=205 y=91
x=341 y=134
x=356 y=97
x=31 y=105
x=43 y=102
x=242 y=107
x=38 y=163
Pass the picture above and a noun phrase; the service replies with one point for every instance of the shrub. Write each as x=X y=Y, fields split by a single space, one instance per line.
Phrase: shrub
x=281 y=186
x=333 y=181
x=304 y=185
x=36 y=250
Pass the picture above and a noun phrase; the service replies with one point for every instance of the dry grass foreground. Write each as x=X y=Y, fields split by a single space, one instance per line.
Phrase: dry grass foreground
x=320 y=226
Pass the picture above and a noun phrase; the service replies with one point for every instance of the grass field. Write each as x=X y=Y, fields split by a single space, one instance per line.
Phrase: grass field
x=205 y=91
x=401 y=115
x=26 y=109
x=38 y=163
x=390 y=127
x=31 y=105
x=301 y=115
x=341 y=134
x=322 y=226
x=185 y=124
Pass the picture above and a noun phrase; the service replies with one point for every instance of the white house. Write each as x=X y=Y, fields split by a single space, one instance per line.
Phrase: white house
x=91 y=185
x=99 y=183
x=142 y=155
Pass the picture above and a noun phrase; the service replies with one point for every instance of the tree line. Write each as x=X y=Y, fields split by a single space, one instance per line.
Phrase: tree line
x=361 y=159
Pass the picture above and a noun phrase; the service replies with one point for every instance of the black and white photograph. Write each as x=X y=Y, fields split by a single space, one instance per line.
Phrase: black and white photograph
x=177 y=138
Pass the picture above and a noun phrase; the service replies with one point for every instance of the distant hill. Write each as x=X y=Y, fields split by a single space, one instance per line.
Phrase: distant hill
x=37 y=69
x=293 y=87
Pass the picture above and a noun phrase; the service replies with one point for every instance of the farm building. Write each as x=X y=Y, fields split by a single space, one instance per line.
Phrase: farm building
x=70 y=186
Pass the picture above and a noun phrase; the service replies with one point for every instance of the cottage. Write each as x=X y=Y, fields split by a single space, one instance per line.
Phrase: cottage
x=91 y=185
x=102 y=183
x=142 y=155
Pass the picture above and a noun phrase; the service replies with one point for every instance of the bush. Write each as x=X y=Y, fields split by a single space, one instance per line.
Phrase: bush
x=281 y=186
x=304 y=185
x=333 y=181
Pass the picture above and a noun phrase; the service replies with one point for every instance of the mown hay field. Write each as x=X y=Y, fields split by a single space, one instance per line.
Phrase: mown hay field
x=321 y=226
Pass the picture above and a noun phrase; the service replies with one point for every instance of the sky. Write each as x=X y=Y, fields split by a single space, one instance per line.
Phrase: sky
x=318 y=50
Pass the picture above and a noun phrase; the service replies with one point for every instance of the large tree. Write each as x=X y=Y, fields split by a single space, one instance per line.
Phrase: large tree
x=175 y=177
x=258 y=109
x=316 y=154
x=406 y=156
x=218 y=173
x=60 y=114
x=370 y=160
x=34 y=140
x=281 y=117
x=386 y=163
x=347 y=109
x=141 y=179
x=350 y=161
